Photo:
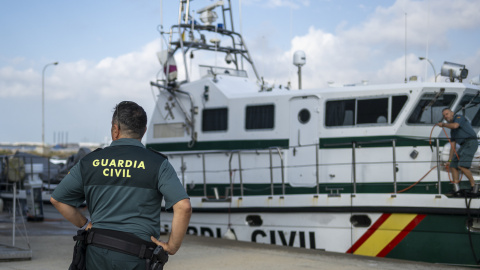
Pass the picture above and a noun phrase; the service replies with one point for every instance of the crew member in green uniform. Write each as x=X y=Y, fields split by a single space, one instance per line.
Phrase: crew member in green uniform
x=463 y=134
x=123 y=186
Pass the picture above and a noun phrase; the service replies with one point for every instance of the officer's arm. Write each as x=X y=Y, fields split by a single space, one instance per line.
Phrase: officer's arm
x=182 y=211
x=70 y=213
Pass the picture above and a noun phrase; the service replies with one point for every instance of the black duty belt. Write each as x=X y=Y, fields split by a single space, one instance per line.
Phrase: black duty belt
x=118 y=241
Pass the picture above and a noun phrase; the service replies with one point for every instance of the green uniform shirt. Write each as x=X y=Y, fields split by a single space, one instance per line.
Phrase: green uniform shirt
x=123 y=186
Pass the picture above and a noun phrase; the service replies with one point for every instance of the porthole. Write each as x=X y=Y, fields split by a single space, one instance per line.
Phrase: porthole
x=304 y=116
x=360 y=221
x=254 y=220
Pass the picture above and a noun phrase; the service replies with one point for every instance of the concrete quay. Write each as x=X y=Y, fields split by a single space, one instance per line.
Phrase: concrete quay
x=51 y=244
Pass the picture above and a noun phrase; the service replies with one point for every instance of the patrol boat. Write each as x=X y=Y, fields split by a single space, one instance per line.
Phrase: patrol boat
x=348 y=169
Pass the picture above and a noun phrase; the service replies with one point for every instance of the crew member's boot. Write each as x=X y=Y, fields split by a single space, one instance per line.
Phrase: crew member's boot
x=455 y=191
x=456 y=187
x=475 y=189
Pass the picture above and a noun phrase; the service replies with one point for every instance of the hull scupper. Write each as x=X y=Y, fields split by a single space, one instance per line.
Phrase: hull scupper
x=356 y=169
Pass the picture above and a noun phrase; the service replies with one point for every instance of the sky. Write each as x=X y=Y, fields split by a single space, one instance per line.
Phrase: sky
x=106 y=52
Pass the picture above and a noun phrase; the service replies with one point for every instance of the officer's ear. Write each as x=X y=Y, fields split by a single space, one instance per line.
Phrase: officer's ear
x=115 y=132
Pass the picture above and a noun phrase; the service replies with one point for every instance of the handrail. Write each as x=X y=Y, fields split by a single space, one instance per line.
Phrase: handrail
x=230 y=174
x=204 y=176
x=240 y=173
x=354 y=171
x=282 y=170
x=280 y=152
x=438 y=166
x=394 y=161
x=271 y=172
x=317 y=169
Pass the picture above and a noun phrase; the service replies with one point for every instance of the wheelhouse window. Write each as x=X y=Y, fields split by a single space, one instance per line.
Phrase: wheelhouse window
x=397 y=104
x=470 y=107
x=371 y=111
x=215 y=119
x=429 y=109
x=259 y=117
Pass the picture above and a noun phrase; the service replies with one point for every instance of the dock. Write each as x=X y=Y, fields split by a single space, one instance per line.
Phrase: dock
x=51 y=245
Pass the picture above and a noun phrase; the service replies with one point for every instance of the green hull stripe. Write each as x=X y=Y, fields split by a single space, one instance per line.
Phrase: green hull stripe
x=375 y=141
x=343 y=188
x=325 y=143
x=219 y=145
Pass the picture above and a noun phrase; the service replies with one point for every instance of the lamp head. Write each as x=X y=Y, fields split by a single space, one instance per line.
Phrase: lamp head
x=454 y=71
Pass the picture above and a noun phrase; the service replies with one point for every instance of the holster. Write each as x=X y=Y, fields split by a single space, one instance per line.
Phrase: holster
x=158 y=260
x=79 y=251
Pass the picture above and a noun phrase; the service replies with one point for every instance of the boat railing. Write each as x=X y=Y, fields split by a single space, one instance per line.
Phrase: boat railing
x=277 y=169
x=393 y=143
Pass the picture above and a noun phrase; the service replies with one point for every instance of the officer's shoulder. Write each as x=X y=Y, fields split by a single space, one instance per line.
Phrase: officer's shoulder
x=158 y=153
x=95 y=151
x=90 y=154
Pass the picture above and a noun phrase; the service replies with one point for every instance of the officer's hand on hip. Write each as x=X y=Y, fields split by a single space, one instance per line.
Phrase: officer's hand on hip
x=161 y=243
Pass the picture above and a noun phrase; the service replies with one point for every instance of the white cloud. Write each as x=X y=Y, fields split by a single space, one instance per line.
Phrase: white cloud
x=19 y=83
x=375 y=49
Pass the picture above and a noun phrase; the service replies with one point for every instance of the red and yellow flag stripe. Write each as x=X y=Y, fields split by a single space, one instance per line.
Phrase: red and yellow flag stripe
x=385 y=234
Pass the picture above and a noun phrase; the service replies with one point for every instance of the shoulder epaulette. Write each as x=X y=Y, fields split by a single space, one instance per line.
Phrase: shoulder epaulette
x=158 y=153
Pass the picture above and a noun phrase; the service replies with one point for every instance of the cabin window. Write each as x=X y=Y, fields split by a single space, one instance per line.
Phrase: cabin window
x=429 y=109
x=397 y=105
x=376 y=111
x=168 y=130
x=372 y=111
x=340 y=113
x=259 y=117
x=215 y=119
x=470 y=107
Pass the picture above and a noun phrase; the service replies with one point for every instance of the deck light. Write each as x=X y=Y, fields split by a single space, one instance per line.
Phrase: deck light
x=454 y=71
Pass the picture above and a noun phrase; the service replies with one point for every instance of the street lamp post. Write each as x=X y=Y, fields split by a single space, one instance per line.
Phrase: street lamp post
x=43 y=105
x=434 y=72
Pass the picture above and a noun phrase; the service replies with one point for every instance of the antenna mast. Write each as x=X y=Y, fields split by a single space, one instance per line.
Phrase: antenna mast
x=405 y=47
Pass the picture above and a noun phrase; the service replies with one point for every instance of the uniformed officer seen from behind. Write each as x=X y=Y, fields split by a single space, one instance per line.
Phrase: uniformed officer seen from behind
x=123 y=186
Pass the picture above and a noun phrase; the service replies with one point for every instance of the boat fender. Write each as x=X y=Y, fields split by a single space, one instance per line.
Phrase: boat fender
x=230 y=235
